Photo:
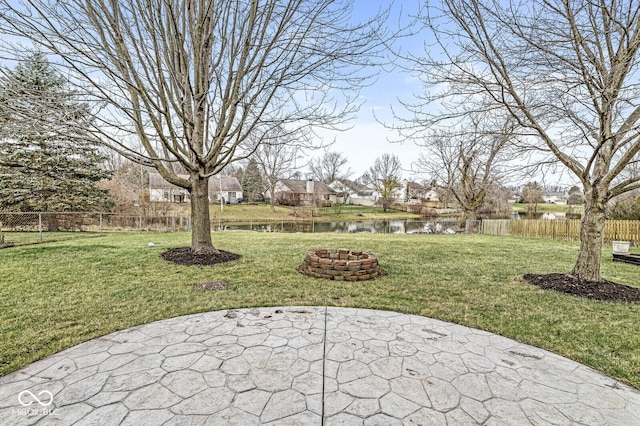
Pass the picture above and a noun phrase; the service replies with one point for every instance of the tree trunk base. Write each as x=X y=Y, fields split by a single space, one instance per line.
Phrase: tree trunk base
x=205 y=251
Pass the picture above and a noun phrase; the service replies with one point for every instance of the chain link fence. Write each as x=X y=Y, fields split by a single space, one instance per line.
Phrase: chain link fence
x=32 y=228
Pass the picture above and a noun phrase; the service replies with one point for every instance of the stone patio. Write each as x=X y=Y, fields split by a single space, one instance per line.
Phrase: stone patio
x=306 y=365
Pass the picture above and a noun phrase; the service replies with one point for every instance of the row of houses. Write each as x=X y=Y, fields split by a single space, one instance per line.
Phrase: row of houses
x=289 y=191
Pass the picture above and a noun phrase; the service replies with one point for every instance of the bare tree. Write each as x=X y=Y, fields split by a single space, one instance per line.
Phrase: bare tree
x=384 y=176
x=128 y=186
x=276 y=159
x=468 y=159
x=532 y=193
x=185 y=82
x=565 y=70
x=329 y=167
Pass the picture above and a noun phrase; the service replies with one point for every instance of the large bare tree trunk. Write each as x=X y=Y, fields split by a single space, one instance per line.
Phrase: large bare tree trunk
x=588 y=265
x=470 y=214
x=201 y=242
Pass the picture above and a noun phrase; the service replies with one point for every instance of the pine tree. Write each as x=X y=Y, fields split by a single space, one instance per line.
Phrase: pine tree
x=45 y=163
x=252 y=184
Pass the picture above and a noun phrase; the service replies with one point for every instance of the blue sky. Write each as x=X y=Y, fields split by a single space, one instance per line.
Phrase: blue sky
x=368 y=139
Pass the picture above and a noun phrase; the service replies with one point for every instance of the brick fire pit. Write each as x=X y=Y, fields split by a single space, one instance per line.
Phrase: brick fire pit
x=340 y=265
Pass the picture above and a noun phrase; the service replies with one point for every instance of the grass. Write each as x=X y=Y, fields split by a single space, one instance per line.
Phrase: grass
x=57 y=295
x=33 y=237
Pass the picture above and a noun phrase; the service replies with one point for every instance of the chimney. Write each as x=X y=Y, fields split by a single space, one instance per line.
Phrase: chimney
x=310 y=186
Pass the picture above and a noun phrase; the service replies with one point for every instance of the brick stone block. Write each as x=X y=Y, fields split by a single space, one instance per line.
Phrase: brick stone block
x=340 y=264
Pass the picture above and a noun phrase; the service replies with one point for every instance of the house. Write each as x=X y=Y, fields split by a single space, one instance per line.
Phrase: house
x=226 y=186
x=415 y=193
x=162 y=191
x=350 y=192
x=555 y=197
x=296 y=192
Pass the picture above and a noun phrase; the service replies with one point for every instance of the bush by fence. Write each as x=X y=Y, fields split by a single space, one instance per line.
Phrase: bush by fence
x=566 y=230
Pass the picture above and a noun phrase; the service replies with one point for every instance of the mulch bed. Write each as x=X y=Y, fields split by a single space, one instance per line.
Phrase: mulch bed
x=184 y=256
x=598 y=290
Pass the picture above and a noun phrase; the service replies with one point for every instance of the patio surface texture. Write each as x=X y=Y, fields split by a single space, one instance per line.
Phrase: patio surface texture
x=310 y=366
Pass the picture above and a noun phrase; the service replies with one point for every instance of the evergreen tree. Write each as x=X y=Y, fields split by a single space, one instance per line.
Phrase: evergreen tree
x=252 y=184
x=45 y=163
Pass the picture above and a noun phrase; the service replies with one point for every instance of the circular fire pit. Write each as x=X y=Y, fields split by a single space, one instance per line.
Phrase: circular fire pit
x=340 y=265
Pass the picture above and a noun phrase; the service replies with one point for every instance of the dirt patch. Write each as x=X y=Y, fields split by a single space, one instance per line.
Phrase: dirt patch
x=184 y=256
x=597 y=290
x=211 y=285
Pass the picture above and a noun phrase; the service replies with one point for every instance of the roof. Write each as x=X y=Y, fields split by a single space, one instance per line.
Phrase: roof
x=354 y=186
x=229 y=183
x=156 y=181
x=300 y=186
x=555 y=194
x=417 y=187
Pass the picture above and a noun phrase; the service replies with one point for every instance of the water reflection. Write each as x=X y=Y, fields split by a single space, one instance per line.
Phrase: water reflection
x=352 y=227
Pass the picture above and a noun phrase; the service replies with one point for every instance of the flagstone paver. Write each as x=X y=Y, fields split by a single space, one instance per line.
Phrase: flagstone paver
x=306 y=365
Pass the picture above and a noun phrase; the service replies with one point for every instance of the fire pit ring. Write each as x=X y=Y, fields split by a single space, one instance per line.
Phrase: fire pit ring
x=341 y=265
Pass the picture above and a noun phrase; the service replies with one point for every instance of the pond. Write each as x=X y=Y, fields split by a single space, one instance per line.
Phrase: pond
x=367 y=226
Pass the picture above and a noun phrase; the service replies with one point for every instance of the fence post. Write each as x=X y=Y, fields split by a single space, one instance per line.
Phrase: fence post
x=173 y=224
x=40 y=225
x=282 y=228
x=313 y=225
x=100 y=224
x=250 y=224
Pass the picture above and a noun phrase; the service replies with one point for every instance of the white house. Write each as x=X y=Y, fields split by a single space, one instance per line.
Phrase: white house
x=415 y=193
x=350 y=192
x=555 y=197
x=162 y=191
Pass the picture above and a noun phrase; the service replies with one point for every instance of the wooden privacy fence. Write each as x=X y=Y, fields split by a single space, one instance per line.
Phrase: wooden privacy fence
x=567 y=230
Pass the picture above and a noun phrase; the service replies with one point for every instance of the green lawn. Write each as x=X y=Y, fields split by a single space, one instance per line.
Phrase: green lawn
x=53 y=296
